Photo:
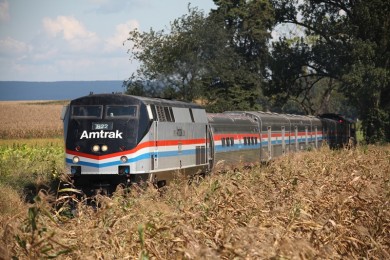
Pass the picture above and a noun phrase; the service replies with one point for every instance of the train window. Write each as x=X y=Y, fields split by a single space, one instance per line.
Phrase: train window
x=228 y=141
x=121 y=111
x=87 y=111
x=252 y=140
x=223 y=141
x=256 y=142
x=232 y=141
x=245 y=141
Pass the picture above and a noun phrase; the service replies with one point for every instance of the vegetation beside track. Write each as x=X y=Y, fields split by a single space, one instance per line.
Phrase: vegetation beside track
x=319 y=204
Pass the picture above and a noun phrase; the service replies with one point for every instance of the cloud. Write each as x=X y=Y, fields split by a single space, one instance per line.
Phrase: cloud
x=4 y=8
x=65 y=49
x=118 y=40
x=69 y=27
x=71 y=31
x=11 y=47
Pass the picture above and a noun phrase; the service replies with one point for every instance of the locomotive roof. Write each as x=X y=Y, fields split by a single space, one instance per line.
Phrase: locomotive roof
x=123 y=99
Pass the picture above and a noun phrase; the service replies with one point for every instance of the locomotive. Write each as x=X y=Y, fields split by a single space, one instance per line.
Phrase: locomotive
x=113 y=139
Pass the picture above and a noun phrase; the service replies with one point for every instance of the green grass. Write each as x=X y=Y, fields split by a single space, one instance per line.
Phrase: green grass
x=30 y=163
x=32 y=142
x=359 y=132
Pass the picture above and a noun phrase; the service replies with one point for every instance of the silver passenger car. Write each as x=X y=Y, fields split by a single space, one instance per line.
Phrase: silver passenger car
x=283 y=133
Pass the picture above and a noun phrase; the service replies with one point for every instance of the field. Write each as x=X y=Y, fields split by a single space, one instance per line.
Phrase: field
x=21 y=119
x=325 y=204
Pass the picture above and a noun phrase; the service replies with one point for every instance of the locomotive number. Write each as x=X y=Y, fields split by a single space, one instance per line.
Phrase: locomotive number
x=102 y=126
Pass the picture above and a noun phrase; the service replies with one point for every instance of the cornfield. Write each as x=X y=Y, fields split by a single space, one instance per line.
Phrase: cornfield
x=322 y=204
x=30 y=119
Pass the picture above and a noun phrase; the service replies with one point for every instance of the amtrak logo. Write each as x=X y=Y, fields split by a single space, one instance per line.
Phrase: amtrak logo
x=101 y=134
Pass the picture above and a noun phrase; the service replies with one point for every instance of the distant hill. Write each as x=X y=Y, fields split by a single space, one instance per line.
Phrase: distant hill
x=59 y=90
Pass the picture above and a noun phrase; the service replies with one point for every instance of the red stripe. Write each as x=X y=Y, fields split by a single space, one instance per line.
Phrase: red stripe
x=137 y=148
x=177 y=142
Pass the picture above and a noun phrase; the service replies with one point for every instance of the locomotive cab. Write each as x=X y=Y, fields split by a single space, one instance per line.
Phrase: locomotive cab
x=100 y=130
x=114 y=138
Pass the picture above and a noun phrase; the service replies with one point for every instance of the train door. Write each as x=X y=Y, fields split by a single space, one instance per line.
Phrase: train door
x=283 y=140
x=210 y=148
x=307 y=136
x=260 y=124
x=296 y=138
x=269 y=142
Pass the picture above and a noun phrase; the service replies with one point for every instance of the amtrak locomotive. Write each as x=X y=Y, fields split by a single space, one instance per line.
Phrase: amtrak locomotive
x=116 y=139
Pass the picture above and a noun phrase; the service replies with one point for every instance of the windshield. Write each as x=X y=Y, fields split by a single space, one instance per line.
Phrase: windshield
x=87 y=111
x=121 y=111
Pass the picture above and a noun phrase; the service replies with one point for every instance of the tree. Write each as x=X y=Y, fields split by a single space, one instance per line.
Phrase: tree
x=350 y=45
x=174 y=59
x=219 y=59
x=239 y=79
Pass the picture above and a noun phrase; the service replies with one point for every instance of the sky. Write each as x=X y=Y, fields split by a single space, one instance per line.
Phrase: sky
x=57 y=40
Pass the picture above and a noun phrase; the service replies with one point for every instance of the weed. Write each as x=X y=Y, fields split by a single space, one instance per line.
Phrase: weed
x=36 y=240
x=318 y=204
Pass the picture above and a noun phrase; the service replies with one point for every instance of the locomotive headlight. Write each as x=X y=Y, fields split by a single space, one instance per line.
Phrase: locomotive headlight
x=104 y=147
x=96 y=148
x=76 y=159
x=124 y=159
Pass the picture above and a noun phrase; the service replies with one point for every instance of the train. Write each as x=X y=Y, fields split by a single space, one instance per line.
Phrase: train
x=118 y=139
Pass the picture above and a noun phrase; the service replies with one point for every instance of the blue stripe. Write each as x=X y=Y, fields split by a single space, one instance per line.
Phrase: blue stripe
x=96 y=165
x=220 y=148
x=135 y=159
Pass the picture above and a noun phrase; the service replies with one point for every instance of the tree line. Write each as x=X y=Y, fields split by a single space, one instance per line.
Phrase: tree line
x=331 y=56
